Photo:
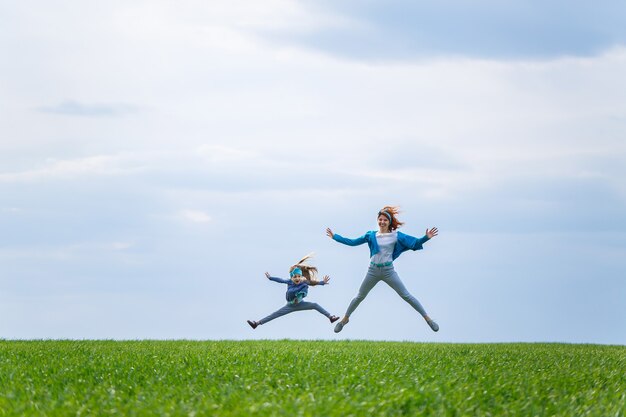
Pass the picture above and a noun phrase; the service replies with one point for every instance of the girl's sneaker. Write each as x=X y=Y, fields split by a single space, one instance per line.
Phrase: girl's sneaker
x=333 y=319
x=253 y=324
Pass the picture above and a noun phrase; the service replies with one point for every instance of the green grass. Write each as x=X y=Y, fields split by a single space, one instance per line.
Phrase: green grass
x=309 y=378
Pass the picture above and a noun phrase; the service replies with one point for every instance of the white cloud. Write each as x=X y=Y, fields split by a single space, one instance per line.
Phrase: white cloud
x=74 y=108
x=63 y=252
x=13 y=210
x=120 y=246
x=195 y=216
x=221 y=154
x=74 y=169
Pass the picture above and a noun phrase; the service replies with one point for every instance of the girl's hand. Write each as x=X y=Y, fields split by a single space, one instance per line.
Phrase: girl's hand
x=267 y=274
x=431 y=233
x=326 y=279
x=329 y=233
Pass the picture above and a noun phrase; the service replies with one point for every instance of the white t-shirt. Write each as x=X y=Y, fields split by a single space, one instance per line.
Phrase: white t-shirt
x=386 y=243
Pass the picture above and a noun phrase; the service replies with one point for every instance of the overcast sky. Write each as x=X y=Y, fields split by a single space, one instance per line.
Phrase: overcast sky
x=158 y=157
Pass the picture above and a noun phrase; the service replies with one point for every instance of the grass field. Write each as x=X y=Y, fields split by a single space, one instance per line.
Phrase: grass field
x=309 y=378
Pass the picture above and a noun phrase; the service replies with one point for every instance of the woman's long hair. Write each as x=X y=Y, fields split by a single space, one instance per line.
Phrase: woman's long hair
x=393 y=212
x=308 y=271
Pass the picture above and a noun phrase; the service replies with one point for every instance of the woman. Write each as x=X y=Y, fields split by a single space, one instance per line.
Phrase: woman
x=385 y=245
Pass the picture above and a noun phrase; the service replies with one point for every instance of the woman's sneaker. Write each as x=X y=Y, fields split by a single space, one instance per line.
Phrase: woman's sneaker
x=253 y=324
x=338 y=327
x=333 y=319
x=433 y=325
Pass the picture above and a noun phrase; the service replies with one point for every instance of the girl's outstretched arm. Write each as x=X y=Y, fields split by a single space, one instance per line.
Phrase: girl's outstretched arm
x=323 y=282
x=275 y=279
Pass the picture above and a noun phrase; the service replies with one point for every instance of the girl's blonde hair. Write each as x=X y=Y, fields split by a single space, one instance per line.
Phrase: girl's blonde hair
x=393 y=212
x=308 y=271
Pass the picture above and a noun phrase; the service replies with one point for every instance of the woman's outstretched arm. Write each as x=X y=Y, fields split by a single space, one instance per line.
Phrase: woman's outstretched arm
x=350 y=242
x=431 y=233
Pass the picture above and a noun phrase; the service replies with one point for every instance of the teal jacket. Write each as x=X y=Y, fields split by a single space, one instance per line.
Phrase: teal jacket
x=296 y=292
x=404 y=243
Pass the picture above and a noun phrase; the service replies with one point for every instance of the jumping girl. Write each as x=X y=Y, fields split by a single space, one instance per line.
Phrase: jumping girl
x=302 y=276
x=385 y=246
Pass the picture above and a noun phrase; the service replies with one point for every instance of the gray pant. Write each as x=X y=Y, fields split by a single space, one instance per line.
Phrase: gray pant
x=290 y=308
x=391 y=278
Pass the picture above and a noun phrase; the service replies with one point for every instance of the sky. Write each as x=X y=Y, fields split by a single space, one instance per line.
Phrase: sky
x=158 y=157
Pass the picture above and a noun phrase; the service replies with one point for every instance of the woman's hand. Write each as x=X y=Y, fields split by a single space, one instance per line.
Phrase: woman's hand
x=329 y=233
x=326 y=279
x=431 y=233
x=267 y=274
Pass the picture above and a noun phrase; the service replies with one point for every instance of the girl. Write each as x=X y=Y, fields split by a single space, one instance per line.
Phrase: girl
x=302 y=276
x=385 y=246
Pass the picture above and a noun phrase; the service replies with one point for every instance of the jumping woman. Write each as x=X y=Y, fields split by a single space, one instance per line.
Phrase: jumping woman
x=302 y=276
x=385 y=246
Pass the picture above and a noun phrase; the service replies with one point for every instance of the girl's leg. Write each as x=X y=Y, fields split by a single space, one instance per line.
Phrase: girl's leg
x=393 y=280
x=371 y=279
x=289 y=308
x=305 y=305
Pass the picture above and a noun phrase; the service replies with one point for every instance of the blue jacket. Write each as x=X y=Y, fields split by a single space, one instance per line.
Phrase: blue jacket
x=404 y=243
x=295 y=291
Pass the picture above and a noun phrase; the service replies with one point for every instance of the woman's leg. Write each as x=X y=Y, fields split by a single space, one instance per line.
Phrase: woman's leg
x=289 y=308
x=371 y=279
x=393 y=280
